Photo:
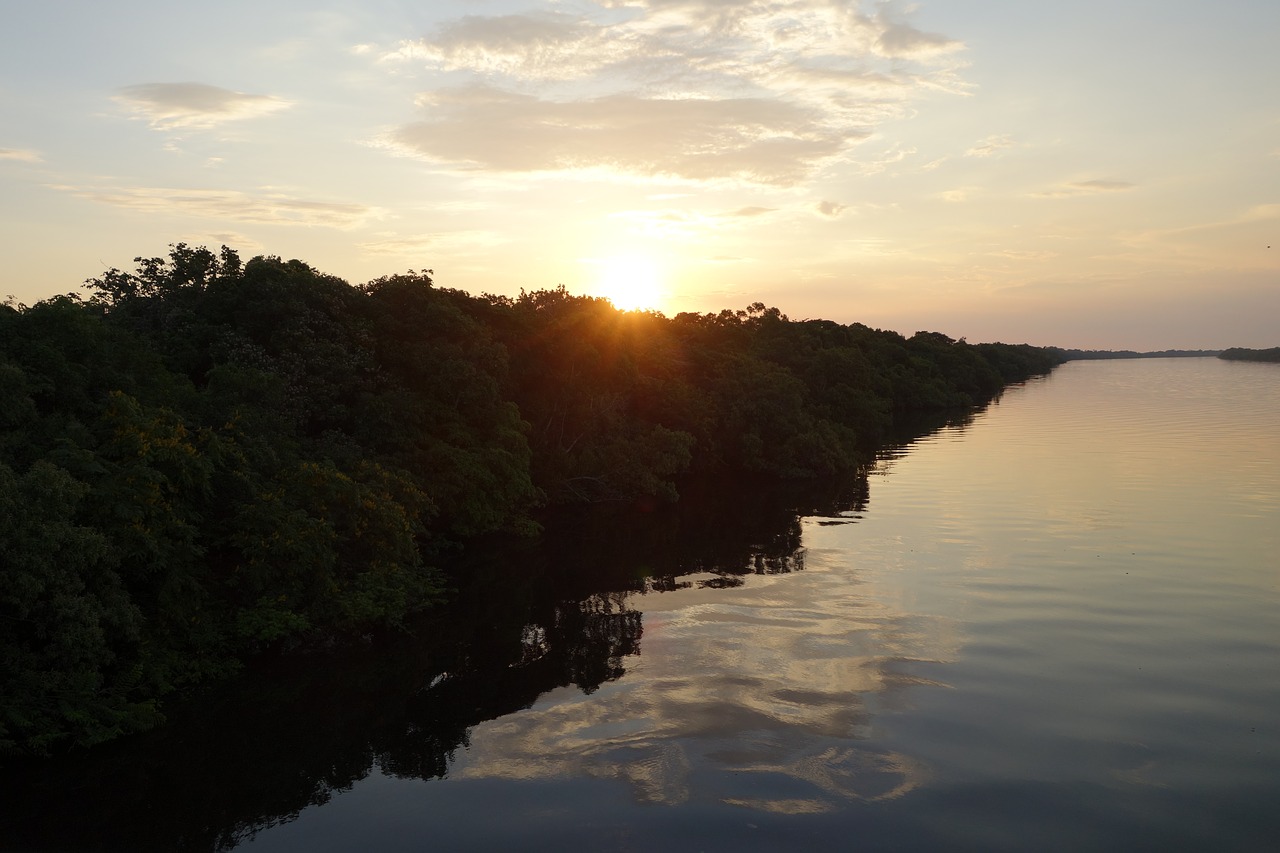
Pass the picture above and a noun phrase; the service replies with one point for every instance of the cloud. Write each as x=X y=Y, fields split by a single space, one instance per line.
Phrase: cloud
x=436 y=244
x=895 y=154
x=758 y=140
x=1023 y=255
x=242 y=243
x=21 y=155
x=990 y=147
x=399 y=245
x=1079 y=188
x=1255 y=214
x=901 y=40
x=1262 y=212
x=698 y=90
x=175 y=106
x=549 y=46
x=830 y=208
x=267 y=208
x=689 y=224
x=956 y=195
x=670 y=224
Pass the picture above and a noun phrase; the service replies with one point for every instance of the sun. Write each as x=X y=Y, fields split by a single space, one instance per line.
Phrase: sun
x=630 y=282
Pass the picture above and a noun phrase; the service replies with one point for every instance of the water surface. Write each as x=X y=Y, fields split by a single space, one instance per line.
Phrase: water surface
x=1055 y=626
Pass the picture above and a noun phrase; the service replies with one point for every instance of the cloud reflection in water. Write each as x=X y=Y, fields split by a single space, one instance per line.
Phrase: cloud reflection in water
x=759 y=696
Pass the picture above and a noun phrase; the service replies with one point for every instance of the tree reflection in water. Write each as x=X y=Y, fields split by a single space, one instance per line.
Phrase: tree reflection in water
x=530 y=617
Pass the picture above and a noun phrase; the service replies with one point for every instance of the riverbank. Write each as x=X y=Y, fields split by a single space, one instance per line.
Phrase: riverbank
x=209 y=460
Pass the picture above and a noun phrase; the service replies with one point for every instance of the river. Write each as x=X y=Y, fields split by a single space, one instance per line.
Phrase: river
x=1054 y=625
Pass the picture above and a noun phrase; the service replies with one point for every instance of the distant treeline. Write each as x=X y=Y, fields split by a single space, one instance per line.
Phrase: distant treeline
x=1240 y=354
x=1094 y=354
x=206 y=459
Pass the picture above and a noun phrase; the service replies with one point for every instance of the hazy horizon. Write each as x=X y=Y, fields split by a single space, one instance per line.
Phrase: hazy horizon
x=1088 y=175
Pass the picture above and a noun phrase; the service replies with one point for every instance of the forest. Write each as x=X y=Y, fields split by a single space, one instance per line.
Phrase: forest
x=1241 y=354
x=204 y=460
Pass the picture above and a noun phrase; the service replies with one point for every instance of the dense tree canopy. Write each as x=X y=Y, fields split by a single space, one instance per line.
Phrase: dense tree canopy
x=207 y=458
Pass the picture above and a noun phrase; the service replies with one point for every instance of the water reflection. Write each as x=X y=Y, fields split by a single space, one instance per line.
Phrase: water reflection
x=760 y=693
x=756 y=690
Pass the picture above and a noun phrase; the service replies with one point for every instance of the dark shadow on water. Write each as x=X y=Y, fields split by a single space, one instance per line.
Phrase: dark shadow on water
x=530 y=616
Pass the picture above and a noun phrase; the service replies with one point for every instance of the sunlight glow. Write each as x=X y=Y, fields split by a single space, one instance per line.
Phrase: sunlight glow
x=630 y=282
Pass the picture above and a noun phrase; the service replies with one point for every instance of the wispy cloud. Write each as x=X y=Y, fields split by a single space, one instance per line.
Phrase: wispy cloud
x=765 y=141
x=901 y=40
x=242 y=243
x=399 y=245
x=1262 y=211
x=885 y=159
x=265 y=208
x=830 y=209
x=1024 y=255
x=175 y=106
x=685 y=224
x=1255 y=214
x=550 y=46
x=435 y=244
x=992 y=146
x=22 y=155
x=701 y=90
x=1079 y=188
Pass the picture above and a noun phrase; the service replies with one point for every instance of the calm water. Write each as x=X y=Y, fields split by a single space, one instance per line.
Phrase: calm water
x=1055 y=627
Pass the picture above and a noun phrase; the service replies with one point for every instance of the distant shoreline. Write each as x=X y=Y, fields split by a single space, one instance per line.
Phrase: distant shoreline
x=1241 y=354
x=1086 y=355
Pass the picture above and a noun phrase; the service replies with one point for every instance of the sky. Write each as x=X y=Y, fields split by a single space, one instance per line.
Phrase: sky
x=1101 y=175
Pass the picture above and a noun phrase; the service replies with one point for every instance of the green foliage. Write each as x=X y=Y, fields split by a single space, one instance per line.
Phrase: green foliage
x=208 y=459
x=442 y=411
x=592 y=383
x=64 y=617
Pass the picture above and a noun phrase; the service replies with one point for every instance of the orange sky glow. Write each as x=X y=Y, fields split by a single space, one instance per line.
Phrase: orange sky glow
x=1091 y=174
